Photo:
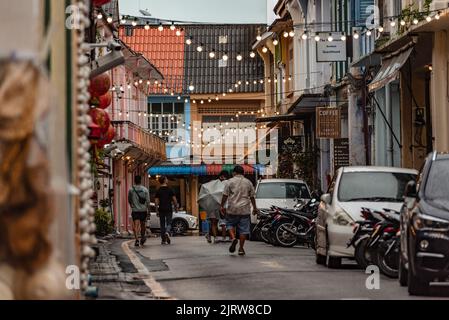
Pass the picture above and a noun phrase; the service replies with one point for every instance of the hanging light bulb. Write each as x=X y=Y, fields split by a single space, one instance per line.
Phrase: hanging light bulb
x=209 y=100
x=172 y=27
x=402 y=22
x=123 y=20
x=415 y=21
x=178 y=32
x=199 y=48
x=304 y=35
x=330 y=38
x=239 y=57
x=191 y=87
x=225 y=57
x=437 y=16
x=186 y=100
x=264 y=49
x=240 y=82
x=189 y=41
x=261 y=81
x=179 y=97
x=428 y=18
x=381 y=29
x=317 y=37
x=285 y=34
x=216 y=98
x=275 y=42
x=212 y=54
x=392 y=22
x=368 y=33
x=252 y=54
x=147 y=26
x=291 y=33
x=99 y=16
x=134 y=23
x=343 y=37
x=289 y=78
x=161 y=27
x=356 y=35
x=224 y=94
x=258 y=37
x=109 y=20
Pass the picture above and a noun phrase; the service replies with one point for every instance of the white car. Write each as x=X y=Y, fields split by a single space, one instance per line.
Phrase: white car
x=181 y=222
x=283 y=193
x=351 y=189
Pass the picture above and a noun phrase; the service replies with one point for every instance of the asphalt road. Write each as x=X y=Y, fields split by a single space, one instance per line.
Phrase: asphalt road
x=190 y=268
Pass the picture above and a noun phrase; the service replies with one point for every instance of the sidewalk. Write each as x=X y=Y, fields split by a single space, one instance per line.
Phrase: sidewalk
x=115 y=276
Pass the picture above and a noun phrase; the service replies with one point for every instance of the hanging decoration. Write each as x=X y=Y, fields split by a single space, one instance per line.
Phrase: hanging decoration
x=100 y=86
x=102 y=102
x=101 y=118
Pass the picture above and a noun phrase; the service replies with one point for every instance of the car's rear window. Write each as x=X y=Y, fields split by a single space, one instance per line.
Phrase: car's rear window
x=282 y=190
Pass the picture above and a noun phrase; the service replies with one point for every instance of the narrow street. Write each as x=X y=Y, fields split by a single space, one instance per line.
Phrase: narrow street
x=191 y=268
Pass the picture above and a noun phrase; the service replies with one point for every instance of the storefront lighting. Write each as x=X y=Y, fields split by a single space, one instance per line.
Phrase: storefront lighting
x=285 y=34
x=199 y=48
x=402 y=22
x=381 y=29
x=264 y=49
x=99 y=16
x=304 y=35
x=247 y=83
x=291 y=34
x=147 y=26
x=189 y=41
x=212 y=54
x=317 y=37
x=261 y=81
x=252 y=54
x=415 y=21
x=239 y=57
x=255 y=82
x=275 y=42
x=191 y=87
x=123 y=20
x=368 y=33
x=330 y=38
x=356 y=35
x=134 y=23
x=437 y=16
x=109 y=20
x=172 y=27
x=178 y=32
x=258 y=37
x=343 y=37
x=428 y=18
x=161 y=27
x=392 y=22
x=225 y=57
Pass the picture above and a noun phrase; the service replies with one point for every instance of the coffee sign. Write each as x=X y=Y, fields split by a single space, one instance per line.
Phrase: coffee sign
x=328 y=124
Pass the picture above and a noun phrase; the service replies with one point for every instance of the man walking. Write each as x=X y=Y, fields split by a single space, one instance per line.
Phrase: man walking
x=139 y=200
x=239 y=195
x=214 y=216
x=165 y=201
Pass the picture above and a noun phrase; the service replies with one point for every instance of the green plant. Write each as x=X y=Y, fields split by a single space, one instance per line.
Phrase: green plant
x=103 y=221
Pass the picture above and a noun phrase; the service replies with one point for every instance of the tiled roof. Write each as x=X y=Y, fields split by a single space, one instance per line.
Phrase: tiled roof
x=206 y=74
x=164 y=49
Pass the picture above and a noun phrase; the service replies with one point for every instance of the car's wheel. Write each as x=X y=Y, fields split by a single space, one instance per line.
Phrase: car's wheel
x=402 y=272
x=417 y=286
x=179 y=226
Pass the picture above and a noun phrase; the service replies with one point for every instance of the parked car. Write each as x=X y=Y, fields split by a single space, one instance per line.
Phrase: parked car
x=425 y=227
x=182 y=221
x=352 y=189
x=283 y=193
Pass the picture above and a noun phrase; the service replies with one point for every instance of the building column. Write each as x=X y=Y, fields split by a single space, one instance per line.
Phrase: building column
x=440 y=94
x=193 y=195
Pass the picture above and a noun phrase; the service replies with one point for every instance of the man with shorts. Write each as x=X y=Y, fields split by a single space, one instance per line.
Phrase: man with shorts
x=239 y=195
x=139 y=200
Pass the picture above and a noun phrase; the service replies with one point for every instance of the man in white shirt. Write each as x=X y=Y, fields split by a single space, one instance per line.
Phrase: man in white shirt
x=239 y=194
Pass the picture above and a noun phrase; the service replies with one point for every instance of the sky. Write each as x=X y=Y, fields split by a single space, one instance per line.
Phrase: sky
x=213 y=11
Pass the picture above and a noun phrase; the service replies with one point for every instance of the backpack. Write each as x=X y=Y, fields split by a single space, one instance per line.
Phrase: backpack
x=141 y=200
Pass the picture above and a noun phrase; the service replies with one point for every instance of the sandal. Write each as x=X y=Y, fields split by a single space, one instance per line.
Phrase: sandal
x=233 y=245
x=241 y=252
x=136 y=244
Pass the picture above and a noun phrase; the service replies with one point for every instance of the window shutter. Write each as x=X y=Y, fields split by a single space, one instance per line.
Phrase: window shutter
x=361 y=13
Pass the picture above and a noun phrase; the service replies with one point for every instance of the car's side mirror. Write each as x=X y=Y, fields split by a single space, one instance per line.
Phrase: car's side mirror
x=411 y=190
x=326 y=198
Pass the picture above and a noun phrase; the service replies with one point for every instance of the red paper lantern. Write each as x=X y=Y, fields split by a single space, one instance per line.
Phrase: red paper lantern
x=100 y=118
x=102 y=102
x=100 y=85
x=99 y=3
x=107 y=137
x=95 y=133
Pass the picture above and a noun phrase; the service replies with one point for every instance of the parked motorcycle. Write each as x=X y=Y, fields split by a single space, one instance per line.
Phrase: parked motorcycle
x=293 y=227
x=262 y=228
x=388 y=244
x=362 y=233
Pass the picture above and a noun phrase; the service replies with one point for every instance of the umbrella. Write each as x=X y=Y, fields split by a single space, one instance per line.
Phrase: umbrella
x=210 y=195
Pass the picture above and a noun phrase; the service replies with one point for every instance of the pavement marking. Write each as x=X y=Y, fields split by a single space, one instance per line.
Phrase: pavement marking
x=272 y=264
x=156 y=289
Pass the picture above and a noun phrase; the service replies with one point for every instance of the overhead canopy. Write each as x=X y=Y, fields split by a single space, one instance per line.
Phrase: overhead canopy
x=199 y=170
x=307 y=103
x=277 y=118
x=390 y=69
x=369 y=60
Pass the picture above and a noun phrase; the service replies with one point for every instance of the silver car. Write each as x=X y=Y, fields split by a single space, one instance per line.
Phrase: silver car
x=181 y=223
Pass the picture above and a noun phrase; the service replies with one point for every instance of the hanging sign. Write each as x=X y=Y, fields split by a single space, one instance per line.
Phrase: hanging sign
x=341 y=153
x=328 y=123
x=331 y=51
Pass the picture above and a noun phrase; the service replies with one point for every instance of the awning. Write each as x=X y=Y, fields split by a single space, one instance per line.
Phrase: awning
x=369 y=60
x=139 y=65
x=307 y=103
x=200 y=170
x=391 y=66
x=264 y=37
x=278 y=118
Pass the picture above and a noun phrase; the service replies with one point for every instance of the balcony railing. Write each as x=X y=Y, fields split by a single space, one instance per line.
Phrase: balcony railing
x=149 y=143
